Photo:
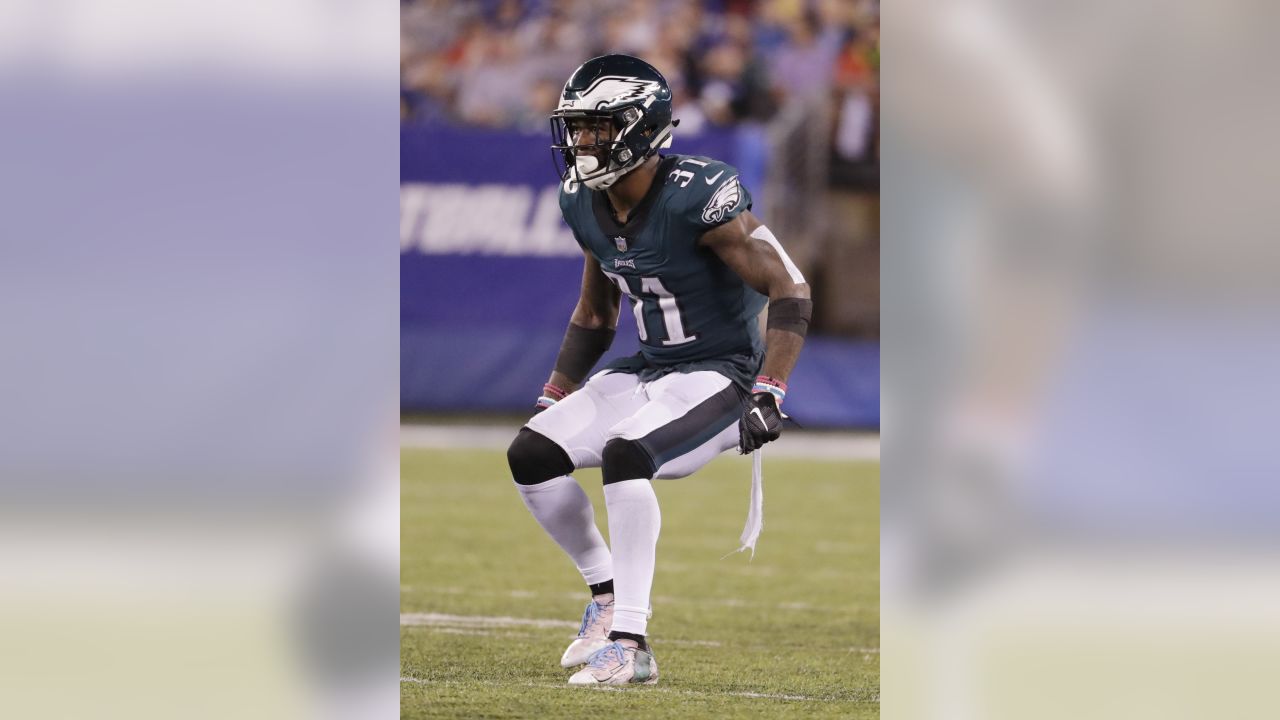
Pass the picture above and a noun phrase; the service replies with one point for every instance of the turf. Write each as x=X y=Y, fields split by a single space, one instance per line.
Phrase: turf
x=793 y=633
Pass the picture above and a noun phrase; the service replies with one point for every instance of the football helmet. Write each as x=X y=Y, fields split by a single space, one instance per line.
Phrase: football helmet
x=627 y=103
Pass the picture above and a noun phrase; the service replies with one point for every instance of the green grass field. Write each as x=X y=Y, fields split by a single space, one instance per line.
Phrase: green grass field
x=489 y=602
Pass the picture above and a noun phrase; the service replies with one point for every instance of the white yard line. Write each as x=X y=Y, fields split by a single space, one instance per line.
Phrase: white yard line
x=693 y=643
x=668 y=691
x=452 y=437
x=496 y=632
x=795 y=444
x=483 y=624
x=479 y=621
x=461 y=631
x=730 y=602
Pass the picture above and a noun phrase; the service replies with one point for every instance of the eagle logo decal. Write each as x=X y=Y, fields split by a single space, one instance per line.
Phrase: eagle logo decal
x=611 y=90
x=725 y=198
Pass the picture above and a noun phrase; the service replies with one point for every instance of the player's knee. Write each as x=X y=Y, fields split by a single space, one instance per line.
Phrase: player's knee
x=534 y=458
x=625 y=460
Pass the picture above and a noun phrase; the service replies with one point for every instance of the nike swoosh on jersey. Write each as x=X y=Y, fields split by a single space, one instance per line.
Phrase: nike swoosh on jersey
x=713 y=178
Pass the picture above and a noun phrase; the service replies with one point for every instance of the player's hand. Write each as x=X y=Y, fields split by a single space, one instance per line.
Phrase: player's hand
x=761 y=422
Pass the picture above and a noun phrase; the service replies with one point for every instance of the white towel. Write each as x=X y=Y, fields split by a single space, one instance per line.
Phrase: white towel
x=755 y=513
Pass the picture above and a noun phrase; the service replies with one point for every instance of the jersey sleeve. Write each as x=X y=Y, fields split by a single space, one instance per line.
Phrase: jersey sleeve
x=714 y=195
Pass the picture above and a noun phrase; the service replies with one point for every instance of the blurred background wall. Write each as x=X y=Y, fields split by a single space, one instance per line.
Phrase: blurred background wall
x=786 y=90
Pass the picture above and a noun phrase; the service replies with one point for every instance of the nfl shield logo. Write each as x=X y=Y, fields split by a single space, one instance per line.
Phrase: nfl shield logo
x=620 y=242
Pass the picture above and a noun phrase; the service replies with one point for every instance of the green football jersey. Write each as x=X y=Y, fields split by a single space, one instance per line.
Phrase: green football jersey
x=692 y=312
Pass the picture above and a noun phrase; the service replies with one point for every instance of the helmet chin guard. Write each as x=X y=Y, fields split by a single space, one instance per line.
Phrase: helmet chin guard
x=586 y=170
x=621 y=93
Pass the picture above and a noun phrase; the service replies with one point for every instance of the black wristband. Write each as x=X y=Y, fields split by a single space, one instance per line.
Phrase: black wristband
x=581 y=350
x=790 y=314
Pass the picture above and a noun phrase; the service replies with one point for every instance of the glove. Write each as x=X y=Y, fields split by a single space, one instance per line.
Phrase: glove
x=761 y=422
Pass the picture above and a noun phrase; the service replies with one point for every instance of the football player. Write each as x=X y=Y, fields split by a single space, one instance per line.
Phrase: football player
x=675 y=234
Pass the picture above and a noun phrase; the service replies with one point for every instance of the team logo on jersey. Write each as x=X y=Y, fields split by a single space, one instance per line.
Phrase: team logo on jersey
x=723 y=200
x=619 y=262
x=620 y=243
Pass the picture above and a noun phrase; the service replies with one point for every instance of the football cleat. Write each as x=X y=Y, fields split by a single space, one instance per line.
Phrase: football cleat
x=617 y=664
x=592 y=635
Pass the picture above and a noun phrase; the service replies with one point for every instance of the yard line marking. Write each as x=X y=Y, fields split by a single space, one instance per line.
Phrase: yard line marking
x=492 y=632
x=481 y=621
x=665 y=599
x=483 y=625
x=693 y=643
x=461 y=631
x=667 y=691
x=805 y=445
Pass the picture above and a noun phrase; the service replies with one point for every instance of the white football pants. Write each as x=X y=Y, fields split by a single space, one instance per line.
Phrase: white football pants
x=683 y=419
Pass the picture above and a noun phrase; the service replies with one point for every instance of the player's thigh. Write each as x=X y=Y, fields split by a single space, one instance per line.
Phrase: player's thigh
x=692 y=461
x=579 y=423
x=688 y=420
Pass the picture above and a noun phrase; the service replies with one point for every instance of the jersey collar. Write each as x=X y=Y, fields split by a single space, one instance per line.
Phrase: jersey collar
x=639 y=214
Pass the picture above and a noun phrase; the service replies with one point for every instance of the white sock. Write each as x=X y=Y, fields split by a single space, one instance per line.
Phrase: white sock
x=634 y=522
x=564 y=511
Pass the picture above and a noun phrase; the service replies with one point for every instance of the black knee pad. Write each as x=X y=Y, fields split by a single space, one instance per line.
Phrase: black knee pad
x=534 y=458
x=625 y=460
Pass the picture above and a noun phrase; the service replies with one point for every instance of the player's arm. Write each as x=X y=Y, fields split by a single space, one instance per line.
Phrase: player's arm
x=589 y=335
x=750 y=250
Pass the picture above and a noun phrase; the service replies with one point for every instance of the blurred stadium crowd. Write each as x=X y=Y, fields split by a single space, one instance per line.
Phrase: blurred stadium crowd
x=501 y=63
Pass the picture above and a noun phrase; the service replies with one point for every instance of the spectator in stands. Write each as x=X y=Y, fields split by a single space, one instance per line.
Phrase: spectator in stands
x=488 y=62
x=732 y=82
x=630 y=29
x=857 y=94
x=802 y=67
x=426 y=93
x=495 y=83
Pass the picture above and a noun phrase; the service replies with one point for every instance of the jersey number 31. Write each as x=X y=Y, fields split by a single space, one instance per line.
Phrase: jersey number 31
x=666 y=303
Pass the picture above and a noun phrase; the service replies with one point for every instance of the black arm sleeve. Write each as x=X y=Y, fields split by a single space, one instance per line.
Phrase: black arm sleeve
x=581 y=350
x=790 y=314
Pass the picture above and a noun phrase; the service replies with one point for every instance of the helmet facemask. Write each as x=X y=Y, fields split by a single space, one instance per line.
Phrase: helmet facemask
x=600 y=164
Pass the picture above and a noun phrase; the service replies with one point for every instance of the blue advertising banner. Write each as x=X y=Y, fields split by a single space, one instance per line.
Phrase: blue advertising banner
x=489 y=274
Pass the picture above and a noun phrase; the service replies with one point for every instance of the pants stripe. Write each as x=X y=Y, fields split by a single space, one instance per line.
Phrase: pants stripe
x=703 y=422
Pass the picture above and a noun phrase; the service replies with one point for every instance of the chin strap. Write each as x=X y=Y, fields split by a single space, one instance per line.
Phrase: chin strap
x=607 y=180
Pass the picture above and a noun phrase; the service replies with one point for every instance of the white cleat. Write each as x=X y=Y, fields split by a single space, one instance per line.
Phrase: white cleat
x=617 y=664
x=592 y=636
